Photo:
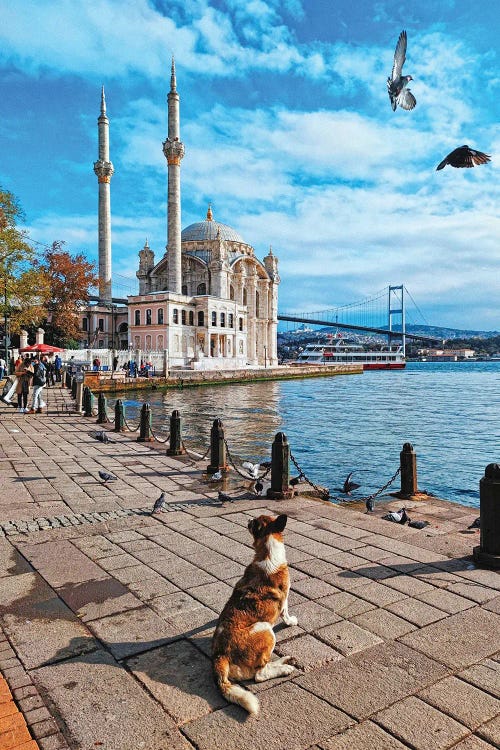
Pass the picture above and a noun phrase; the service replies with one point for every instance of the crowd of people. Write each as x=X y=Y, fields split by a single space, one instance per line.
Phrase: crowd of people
x=32 y=374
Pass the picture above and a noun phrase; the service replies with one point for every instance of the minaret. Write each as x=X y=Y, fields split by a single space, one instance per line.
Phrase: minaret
x=173 y=149
x=104 y=170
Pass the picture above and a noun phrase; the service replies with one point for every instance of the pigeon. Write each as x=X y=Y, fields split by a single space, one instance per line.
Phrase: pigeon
x=475 y=524
x=464 y=156
x=418 y=524
x=294 y=481
x=103 y=437
x=216 y=477
x=370 y=504
x=265 y=464
x=160 y=503
x=348 y=485
x=225 y=498
x=258 y=487
x=107 y=477
x=253 y=469
x=397 y=83
x=399 y=516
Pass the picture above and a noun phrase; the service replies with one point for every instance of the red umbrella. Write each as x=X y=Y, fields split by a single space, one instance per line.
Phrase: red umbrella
x=42 y=348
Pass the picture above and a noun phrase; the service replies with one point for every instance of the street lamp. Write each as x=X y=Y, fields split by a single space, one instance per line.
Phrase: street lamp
x=265 y=356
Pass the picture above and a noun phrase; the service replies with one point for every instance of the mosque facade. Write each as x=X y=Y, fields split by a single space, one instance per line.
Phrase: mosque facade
x=208 y=301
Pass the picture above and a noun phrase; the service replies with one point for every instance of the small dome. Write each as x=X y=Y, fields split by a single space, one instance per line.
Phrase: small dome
x=207 y=230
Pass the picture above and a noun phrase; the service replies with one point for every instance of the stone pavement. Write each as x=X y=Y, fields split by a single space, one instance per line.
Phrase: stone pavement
x=107 y=612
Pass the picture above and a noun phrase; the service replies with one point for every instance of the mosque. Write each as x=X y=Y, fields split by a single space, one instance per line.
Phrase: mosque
x=207 y=303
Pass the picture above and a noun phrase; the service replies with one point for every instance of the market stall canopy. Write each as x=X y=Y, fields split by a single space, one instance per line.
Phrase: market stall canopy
x=42 y=349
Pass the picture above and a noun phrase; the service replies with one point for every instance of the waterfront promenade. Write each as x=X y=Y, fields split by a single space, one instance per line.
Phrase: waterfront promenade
x=106 y=612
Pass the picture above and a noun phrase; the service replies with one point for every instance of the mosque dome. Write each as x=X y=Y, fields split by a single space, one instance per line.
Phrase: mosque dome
x=208 y=230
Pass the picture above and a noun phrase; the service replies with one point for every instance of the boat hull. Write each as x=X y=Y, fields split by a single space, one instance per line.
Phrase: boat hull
x=384 y=365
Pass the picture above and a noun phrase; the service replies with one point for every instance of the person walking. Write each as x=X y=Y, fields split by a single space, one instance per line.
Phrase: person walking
x=3 y=368
x=39 y=381
x=57 y=368
x=24 y=373
x=49 y=366
x=7 y=397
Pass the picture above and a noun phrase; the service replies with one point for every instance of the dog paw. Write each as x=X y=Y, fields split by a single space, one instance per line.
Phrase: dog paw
x=287 y=669
x=292 y=620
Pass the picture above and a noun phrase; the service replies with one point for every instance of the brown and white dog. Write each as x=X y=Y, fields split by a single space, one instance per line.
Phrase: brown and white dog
x=244 y=638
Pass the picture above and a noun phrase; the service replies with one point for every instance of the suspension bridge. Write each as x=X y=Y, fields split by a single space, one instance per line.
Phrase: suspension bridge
x=384 y=313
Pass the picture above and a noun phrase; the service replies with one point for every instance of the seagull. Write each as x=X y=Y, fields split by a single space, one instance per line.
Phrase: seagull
x=348 y=485
x=160 y=503
x=216 y=477
x=464 y=156
x=418 y=524
x=475 y=524
x=253 y=469
x=107 y=477
x=397 y=83
x=258 y=487
x=399 y=516
x=370 y=504
x=225 y=498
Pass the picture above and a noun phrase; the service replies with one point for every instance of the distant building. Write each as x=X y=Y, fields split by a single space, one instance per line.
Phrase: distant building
x=447 y=354
x=209 y=301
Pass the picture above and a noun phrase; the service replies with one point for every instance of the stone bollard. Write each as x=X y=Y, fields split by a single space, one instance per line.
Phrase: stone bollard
x=280 y=469
x=119 y=416
x=145 y=433
x=408 y=463
x=217 y=449
x=88 y=402
x=488 y=552
x=73 y=387
x=175 y=447
x=102 y=413
x=67 y=380
x=79 y=398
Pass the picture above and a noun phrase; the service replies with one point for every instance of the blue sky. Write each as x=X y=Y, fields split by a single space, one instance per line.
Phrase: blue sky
x=288 y=132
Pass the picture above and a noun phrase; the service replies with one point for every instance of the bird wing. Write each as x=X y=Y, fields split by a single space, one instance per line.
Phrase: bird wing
x=478 y=157
x=406 y=100
x=399 y=56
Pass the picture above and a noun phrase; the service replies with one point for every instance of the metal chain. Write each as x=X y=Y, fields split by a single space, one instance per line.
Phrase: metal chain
x=160 y=440
x=237 y=470
x=193 y=453
x=325 y=494
x=131 y=429
x=368 y=497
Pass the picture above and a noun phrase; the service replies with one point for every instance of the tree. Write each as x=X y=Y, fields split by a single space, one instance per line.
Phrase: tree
x=69 y=278
x=24 y=289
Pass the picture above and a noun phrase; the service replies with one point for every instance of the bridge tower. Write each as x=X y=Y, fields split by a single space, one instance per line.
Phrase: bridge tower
x=396 y=309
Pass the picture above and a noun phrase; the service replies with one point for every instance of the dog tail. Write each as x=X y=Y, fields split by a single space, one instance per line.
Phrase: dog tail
x=233 y=693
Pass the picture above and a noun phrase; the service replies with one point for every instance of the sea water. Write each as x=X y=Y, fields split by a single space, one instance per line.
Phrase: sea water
x=448 y=411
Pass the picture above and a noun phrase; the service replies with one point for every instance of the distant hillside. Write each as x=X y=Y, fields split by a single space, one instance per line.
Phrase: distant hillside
x=438 y=331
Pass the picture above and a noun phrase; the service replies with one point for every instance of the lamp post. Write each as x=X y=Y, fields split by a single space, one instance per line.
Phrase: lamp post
x=5 y=326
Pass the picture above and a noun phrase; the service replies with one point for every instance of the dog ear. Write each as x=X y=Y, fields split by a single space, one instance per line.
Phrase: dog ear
x=280 y=523
x=255 y=527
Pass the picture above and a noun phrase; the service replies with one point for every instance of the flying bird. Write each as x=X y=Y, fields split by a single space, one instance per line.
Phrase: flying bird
x=464 y=156
x=475 y=524
x=225 y=498
x=349 y=486
x=107 y=477
x=253 y=469
x=370 y=504
x=160 y=503
x=258 y=487
x=216 y=477
x=397 y=84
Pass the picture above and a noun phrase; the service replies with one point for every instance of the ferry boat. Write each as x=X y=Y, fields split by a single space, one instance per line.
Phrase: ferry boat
x=344 y=351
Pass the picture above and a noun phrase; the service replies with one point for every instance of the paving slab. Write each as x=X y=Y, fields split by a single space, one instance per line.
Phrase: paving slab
x=307 y=652
x=373 y=679
x=132 y=632
x=347 y=637
x=459 y=640
x=180 y=678
x=383 y=623
x=423 y=728
x=491 y=731
x=102 y=705
x=462 y=701
x=364 y=736
x=289 y=718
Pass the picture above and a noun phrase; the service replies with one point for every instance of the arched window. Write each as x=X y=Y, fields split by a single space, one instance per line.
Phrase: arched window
x=214 y=318
x=175 y=315
x=223 y=320
x=137 y=318
x=245 y=297
x=201 y=318
x=159 y=343
x=231 y=292
x=191 y=318
x=231 y=320
x=85 y=324
x=148 y=343
x=257 y=301
x=240 y=324
x=184 y=289
x=148 y=317
x=183 y=317
x=201 y=288
x=160 y=316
